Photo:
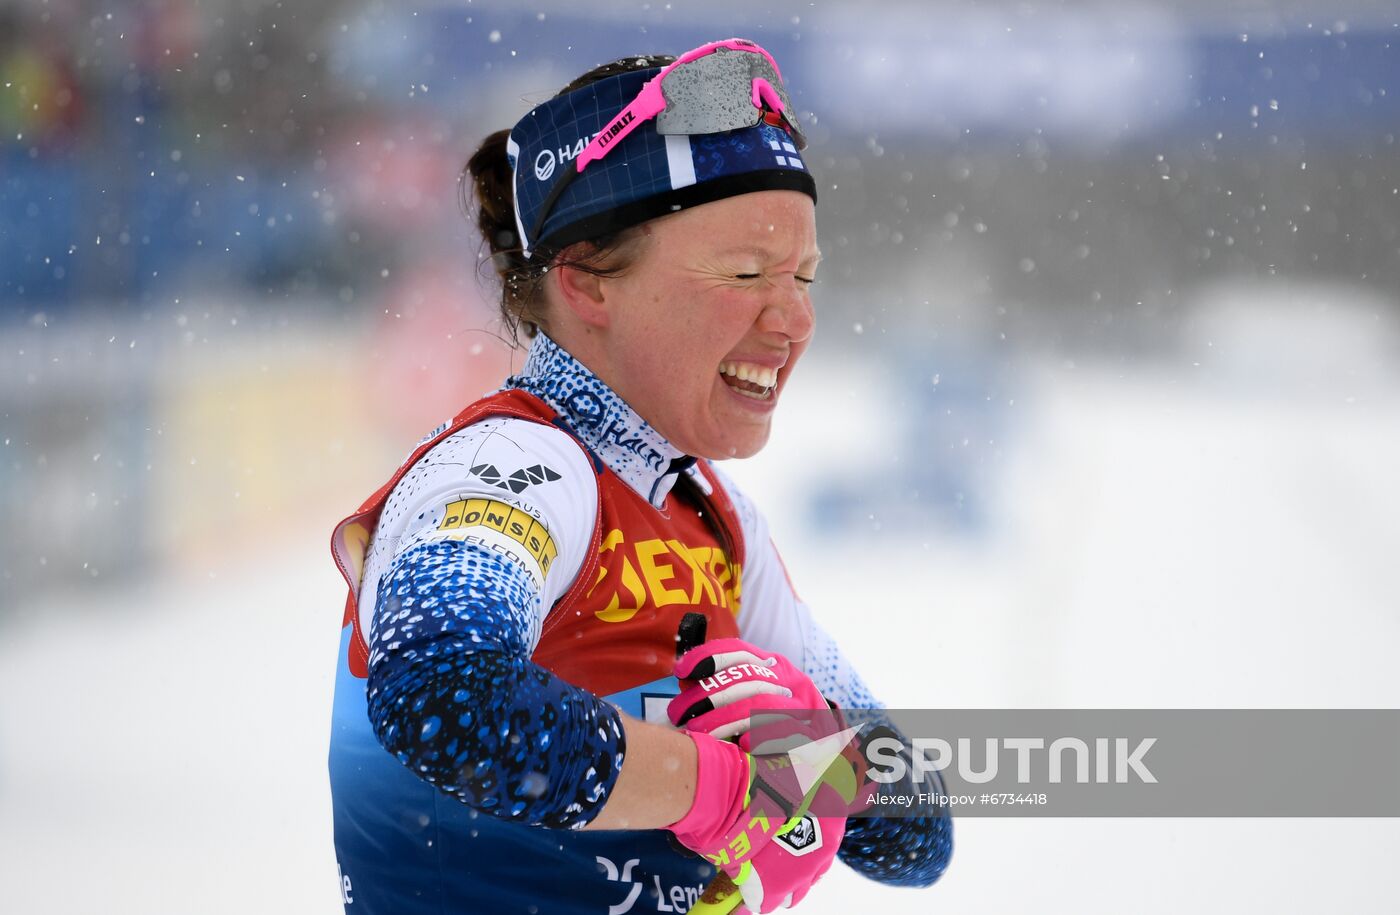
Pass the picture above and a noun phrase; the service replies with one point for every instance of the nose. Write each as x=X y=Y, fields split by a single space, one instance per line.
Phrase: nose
x=788 y=310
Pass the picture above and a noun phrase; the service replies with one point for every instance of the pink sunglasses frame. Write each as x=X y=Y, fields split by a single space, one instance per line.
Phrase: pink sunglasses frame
x=650 y=102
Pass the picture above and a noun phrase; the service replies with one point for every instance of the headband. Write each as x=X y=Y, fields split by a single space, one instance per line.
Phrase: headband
x=644 y=174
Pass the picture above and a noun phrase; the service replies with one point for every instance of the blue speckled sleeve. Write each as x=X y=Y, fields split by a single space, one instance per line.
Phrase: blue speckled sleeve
x=454 y=696
x=909 y=851
x=906 y=850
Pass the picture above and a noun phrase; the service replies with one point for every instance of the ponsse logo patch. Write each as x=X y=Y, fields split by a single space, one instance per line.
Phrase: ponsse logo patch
x=514 y=523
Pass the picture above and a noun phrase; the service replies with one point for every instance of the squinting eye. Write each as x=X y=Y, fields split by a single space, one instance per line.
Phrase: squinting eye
x=746 y=276
x=809 y=280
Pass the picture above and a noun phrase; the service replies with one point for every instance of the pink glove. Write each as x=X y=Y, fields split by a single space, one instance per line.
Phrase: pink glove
x=724 y=682
x=740 y=822
x=785 y=871
x=728 y=679
x=728 y=822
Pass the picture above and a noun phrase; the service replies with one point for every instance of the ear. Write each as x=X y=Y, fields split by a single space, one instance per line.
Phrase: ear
x=582 y=292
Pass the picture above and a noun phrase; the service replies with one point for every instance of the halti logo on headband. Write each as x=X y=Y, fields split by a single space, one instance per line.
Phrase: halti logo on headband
x=544 y=165
x=547 y=159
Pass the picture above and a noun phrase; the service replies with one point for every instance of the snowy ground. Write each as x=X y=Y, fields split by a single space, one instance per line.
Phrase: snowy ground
x=1156 y=543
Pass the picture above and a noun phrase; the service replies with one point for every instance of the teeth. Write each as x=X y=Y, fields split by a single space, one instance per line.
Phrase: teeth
x=750 y=394
x=747 y=371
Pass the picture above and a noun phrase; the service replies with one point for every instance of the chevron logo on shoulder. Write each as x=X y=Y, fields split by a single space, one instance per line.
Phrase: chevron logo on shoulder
x=519 y=481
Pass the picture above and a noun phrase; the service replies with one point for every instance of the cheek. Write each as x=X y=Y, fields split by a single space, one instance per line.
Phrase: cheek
x=696 y=326
x=728 y=315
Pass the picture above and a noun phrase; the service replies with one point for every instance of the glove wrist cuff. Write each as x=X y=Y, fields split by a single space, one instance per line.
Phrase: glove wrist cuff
x=721 y=787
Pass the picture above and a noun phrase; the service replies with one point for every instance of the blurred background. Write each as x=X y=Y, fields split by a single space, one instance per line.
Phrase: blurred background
x=1111 y=301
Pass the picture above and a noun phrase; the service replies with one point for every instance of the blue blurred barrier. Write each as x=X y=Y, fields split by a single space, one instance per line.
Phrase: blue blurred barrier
x=71 y=231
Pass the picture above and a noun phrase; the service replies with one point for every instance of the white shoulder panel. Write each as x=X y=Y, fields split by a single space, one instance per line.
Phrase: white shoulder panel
x=520 y=488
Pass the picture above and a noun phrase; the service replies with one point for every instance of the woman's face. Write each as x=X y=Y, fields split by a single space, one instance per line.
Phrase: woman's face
x=707 y=325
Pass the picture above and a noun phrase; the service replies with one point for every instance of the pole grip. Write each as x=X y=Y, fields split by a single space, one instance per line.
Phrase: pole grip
x=691 y=632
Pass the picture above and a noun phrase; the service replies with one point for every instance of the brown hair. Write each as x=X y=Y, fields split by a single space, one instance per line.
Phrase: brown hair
x=488 y=198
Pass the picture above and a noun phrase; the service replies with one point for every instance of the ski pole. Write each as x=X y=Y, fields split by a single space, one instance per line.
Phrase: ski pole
x=718 y=898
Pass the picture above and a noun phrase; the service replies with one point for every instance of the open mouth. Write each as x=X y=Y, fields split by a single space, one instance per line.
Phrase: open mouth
x=755 y=381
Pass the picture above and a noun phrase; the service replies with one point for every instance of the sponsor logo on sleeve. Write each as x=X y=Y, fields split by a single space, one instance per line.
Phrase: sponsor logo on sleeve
x=516 y=524
x=517 y=482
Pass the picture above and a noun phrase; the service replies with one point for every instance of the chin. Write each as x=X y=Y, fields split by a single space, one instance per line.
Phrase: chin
x=734 y=447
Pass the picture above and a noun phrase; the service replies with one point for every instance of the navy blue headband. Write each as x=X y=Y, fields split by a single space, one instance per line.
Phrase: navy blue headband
x=645 y=176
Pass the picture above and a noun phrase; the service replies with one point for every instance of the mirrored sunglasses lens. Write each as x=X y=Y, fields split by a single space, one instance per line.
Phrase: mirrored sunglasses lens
x=708 y=95
x=715 y=93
